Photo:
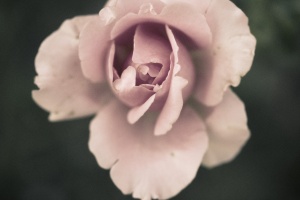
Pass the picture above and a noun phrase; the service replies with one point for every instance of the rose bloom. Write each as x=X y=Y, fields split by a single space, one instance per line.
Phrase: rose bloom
x=157 y=74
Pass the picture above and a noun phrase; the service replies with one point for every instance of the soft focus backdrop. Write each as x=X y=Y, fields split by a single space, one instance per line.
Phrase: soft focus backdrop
x=40 y=160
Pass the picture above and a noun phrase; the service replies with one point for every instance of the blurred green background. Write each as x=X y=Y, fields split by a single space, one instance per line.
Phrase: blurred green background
x=50 y=161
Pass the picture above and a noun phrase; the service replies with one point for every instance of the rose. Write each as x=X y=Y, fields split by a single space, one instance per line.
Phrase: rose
x=157 y=74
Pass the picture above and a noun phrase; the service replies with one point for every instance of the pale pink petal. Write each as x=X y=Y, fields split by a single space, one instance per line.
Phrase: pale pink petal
x=107 y=15
x=111 y=72
x=64 y=92
x=150 y=46
x=230 y=55
x=126 y=90
x=94 y=42
x=174 y=101
x=227 y=130
x=172 y=108
x=162 y=74
x=136 y=113
x=201 y=5
x=183 y=58
x=127 y=80
x=183 y=17
x=143 y=164
x=153 y=70
x=163 y=89
x=124 y=87
x=124 y=6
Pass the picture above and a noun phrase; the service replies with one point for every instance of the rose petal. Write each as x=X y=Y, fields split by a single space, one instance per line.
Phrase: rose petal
x=230 y=56
x=111 y=72
x=136 y=113
x=126 y=90
x=141 y=163
x=107 y=15
x=227 y=130
x=127 y=80
x=94 y=42
x=183 y=17
x=123 y=7
x=174 y=102
x=150 y=46
x=64 y=92
x=153 y=70
x=200 y=5
x=183 y=58
x=172 y=108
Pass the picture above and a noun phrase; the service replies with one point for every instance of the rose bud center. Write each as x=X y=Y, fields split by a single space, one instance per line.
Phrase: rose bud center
x=143 y=64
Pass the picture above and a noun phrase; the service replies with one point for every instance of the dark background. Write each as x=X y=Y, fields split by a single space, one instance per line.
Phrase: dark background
x=40 y=160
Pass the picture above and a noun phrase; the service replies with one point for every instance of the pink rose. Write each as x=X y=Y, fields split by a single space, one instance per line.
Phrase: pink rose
x=156 y=73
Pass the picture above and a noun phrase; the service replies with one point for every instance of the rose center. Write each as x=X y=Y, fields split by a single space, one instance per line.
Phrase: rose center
x=146 y=73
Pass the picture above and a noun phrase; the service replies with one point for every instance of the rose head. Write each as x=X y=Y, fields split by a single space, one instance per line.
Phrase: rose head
x=156 y=73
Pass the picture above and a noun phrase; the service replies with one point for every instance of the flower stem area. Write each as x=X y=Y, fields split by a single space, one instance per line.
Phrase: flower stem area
x=51 y=161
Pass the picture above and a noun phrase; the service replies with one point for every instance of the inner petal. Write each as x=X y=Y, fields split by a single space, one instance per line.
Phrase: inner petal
x=123 y=82
x=145 y=51
x=154 y=69
x=150 y=44
x=143 y=69
x=146 y=73
x=152 y=48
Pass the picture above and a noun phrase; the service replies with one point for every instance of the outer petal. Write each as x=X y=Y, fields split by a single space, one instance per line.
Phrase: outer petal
x=183 y=17
x=200 y=5
x=64 y=92
x=124 y=6
x=94 y=42
x=227 y=130
x=141 y=163
x=230 y=56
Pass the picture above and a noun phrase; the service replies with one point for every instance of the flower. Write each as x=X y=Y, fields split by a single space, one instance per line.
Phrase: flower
x=156 y=73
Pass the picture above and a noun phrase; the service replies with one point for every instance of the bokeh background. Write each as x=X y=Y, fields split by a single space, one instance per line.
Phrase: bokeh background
x=40 y=160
